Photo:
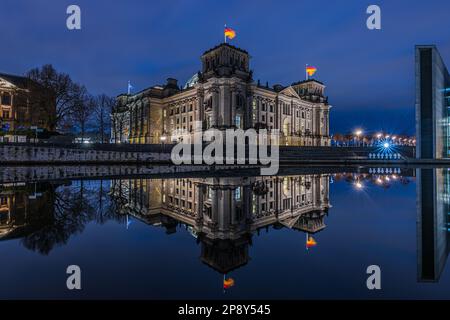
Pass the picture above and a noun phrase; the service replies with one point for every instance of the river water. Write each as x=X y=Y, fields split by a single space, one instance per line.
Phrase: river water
x=309 y=234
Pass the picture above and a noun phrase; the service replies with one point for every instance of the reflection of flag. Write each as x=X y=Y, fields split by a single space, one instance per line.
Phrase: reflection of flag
x=228 y=283
x=310 y=242
x=310 y=70
x=229 y=33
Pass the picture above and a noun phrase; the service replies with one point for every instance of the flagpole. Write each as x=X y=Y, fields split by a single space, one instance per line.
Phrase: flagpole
x=223 y=283
x=306 y=240
x=306 y=71
x=224 y=35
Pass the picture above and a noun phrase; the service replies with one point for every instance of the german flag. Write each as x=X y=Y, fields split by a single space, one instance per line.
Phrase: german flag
x=310 y=70
x=228 y=283
x=229 y=33
x=310 y=242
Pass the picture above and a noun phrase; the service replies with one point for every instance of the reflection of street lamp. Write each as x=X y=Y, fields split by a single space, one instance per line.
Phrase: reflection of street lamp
x=163 y=140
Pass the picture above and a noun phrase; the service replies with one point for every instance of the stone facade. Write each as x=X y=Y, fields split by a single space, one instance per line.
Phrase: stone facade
x=223 y=95
x=24 y=103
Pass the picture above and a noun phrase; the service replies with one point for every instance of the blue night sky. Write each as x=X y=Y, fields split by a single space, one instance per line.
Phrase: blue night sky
x=369 y=74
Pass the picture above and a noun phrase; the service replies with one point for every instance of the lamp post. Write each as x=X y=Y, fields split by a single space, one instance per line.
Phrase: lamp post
x=358 y=134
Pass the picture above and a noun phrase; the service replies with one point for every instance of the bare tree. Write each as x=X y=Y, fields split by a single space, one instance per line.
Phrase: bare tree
x=61 y=88
x=102 y=112
x=83 y=107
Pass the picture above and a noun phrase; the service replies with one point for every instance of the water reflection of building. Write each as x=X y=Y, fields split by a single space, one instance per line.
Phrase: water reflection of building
x=223 y=213
x=433 y=222
x=19 y=206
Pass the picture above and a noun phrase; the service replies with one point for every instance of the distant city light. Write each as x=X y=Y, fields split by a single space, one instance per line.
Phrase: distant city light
x=386 y=145
x=379 y=181
x=358 y=132
x=379 y=135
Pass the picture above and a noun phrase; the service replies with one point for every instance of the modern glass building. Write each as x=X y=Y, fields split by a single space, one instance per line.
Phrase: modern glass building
x=432 y=104
x=433 y=238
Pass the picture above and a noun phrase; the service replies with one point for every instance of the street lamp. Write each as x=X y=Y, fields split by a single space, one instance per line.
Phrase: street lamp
x=358 y=133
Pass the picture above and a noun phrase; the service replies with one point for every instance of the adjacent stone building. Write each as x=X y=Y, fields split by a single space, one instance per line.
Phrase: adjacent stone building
x=23 y=104
x=223 y=95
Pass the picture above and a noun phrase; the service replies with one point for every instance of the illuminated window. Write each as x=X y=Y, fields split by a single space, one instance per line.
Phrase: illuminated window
x=286 y=186
x=254 y=110
x=237 y=121
x=237 y=194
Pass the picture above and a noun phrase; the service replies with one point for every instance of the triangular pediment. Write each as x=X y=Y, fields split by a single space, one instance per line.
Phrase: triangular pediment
x=6 y=84
x=290 y=92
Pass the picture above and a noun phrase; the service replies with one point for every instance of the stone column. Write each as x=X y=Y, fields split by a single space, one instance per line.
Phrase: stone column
x=215 y=217
x=215 y=107
x=199 y=114
x=199 y=193
x=225 y=105
x=232 y=201
x=130 y=131
x=248 y=111
x=233 y=93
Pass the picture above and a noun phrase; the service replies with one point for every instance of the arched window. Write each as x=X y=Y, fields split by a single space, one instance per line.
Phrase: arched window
x=208 y=104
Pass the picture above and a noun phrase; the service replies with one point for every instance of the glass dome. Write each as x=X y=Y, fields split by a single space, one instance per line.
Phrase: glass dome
x=191 y=82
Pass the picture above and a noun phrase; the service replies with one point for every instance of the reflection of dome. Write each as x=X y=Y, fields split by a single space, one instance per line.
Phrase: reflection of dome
x=191 y=82
x=225 y=255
